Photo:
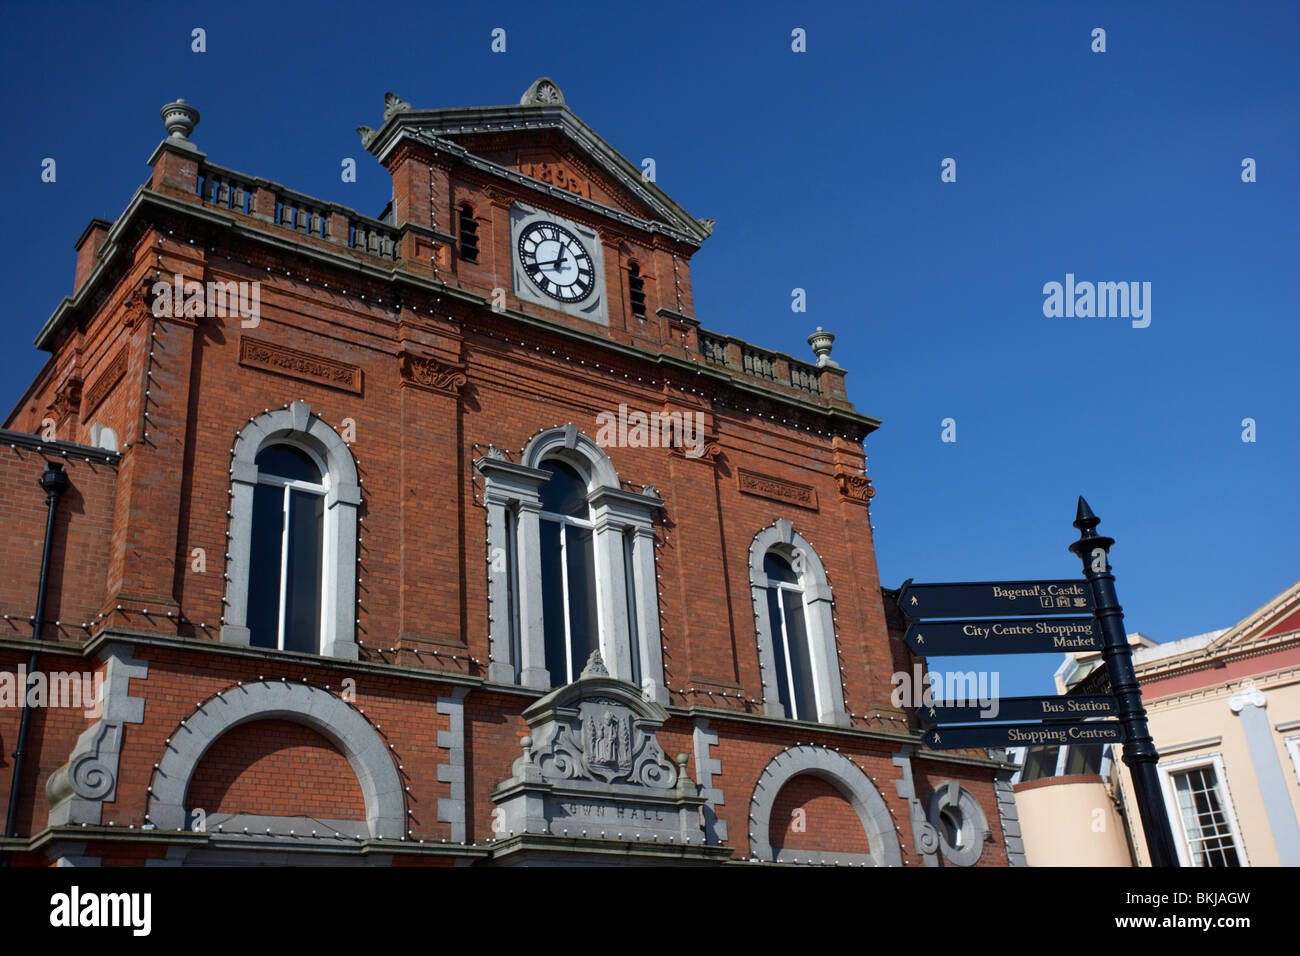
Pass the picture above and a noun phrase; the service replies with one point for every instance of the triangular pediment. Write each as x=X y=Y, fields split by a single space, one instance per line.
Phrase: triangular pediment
x=542 y=140
x=1273 y=627
x=1278 y=618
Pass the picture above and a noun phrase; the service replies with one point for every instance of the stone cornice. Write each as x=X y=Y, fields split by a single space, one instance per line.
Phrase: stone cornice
x=63 y=449
x=288 y=658
x=1209 y=657
x=1225 y=688
x=53 y=835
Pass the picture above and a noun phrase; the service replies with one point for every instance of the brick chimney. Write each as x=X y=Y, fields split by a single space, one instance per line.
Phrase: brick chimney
x=88 y=246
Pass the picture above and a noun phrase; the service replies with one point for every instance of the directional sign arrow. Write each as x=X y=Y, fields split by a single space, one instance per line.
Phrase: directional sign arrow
x=995 y=598
x=1025 y=735
x=1006 y=636
x=1018 y=708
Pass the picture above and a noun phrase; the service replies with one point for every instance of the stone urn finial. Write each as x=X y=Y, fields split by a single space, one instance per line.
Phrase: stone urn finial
x=821 y=342
x=180 y=118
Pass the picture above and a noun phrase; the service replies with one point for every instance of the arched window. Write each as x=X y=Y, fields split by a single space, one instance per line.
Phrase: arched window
x=796 y=630
x=794 y=674
x=284 y=573
x=291 y=567
x=576 y=568
x=568 y=565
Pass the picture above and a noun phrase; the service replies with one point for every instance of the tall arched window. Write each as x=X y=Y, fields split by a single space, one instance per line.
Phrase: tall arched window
x=291 y=566
x=568 y=565
x=285 y=581
x=577 y=568
x=794 y=673
x=796 y=629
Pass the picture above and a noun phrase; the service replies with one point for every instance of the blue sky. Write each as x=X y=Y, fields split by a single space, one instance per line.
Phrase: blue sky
x=823 y=171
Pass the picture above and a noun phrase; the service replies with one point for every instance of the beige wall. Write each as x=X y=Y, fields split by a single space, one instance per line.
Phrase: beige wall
x=1067 y=823
x=1204 y=714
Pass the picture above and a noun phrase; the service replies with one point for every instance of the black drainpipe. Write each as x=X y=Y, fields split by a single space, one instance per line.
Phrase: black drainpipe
x=54 y=480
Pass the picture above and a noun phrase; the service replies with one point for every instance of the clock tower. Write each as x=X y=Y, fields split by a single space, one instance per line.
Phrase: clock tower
x=557 y=222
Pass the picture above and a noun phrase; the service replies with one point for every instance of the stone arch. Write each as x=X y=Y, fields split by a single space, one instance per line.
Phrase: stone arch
x=850 y=780
x=569 y=445
x=318 y=709
x=296 y=425
x=781 y=537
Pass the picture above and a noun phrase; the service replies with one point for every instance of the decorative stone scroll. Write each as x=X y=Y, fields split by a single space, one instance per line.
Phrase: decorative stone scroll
x=78 y=790
x=429 y=373
x=855 y=487
x=592 y=768
x=99 y=389
x=776 y=489
x=255 y=353
x=67 y=399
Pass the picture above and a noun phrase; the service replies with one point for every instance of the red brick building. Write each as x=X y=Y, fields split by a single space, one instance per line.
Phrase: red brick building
x=446 y=537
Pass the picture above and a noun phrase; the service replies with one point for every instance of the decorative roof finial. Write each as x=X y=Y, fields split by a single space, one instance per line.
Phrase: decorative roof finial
x=821 y=342
x=180 y=118
x=543 y=92
x=394 y=104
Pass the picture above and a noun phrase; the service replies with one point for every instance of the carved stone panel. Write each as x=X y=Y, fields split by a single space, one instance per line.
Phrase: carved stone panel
x=101 y=386
x=855 y=487
x=777 y=489
x=256 y=353
x=429 y=373
x=592 y=768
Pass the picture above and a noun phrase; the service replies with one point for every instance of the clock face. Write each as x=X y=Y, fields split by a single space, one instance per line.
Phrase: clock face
x=556 y=262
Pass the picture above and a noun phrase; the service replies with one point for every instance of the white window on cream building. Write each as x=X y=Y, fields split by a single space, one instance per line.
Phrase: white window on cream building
x=1201 y=814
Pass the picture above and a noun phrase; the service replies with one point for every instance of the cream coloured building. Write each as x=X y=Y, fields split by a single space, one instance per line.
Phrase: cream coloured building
x=1224 y=711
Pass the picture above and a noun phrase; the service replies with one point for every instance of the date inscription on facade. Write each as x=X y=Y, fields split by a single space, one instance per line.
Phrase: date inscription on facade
x=765 y=486
x=254 y=353
x=99 y=390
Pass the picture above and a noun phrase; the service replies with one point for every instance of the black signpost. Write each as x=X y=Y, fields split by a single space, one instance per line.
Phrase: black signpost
x=1139 y=749
x=1032 y=617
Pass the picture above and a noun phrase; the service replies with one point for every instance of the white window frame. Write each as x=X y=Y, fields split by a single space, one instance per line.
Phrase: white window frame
x=1167 y=772
x=1293 y=748
x=572 y=669
x=290 y=485
x=622 y=523
x=297 y=426
x=819 y=621
x=782 y=587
